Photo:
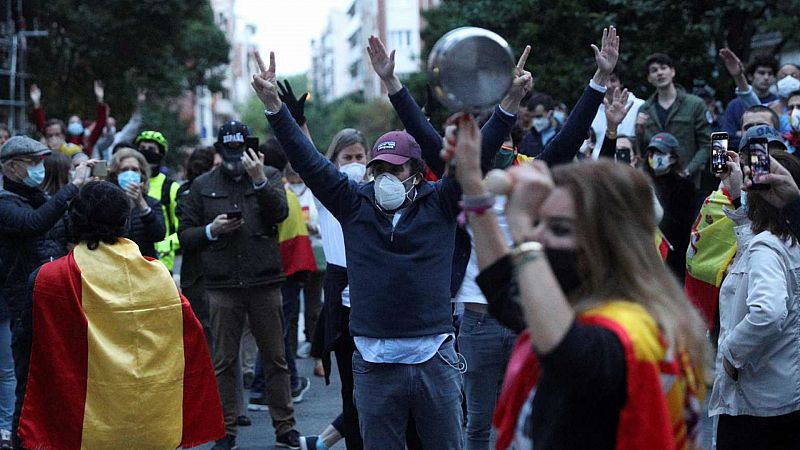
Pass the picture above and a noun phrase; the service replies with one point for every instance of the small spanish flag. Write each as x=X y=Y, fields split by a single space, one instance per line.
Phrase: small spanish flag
x=293 y=241
x=118 y=359
x=711 y=249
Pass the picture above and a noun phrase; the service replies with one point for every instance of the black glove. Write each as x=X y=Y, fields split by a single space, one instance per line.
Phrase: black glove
x=296 y=106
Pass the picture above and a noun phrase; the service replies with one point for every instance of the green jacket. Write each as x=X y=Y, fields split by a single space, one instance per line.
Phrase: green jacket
x=687 y=122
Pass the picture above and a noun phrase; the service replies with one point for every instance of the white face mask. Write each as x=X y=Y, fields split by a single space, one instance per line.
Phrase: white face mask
x=390 y=192
x=788 y=85
x=541 y=123
x=354 y=171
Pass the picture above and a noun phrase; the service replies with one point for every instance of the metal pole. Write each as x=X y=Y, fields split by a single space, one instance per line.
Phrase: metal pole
x=12 y=83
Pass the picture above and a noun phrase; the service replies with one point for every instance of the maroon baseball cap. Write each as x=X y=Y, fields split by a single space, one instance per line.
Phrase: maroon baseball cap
x=396 y=148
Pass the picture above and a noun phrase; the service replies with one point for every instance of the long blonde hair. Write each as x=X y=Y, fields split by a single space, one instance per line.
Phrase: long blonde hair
x=617 y=255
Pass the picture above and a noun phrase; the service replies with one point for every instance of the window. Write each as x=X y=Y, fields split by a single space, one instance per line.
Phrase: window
x=352 y=11
x=354 y=38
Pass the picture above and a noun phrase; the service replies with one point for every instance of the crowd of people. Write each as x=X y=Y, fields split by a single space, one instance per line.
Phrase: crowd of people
x=532 y=277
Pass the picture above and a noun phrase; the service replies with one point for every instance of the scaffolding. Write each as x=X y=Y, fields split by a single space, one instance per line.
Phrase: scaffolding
x=13 y=75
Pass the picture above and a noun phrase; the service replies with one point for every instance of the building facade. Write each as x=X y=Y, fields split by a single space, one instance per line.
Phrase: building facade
x=339 y=60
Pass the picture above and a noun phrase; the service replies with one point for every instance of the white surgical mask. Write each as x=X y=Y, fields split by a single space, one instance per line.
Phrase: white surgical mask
x=788 y=85
x=541 y=123
x=354 y=171
x=390 y=192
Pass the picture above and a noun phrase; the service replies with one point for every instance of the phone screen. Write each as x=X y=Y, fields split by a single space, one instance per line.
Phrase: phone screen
x=251 y=142
x=623 y=154
x=759 y=163
x=100 y=169
x=719 y=159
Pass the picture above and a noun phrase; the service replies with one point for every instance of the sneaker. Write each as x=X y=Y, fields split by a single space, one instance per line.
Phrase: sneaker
x=297 y=393
x=243 y=421
x=319 y=371
x=308 y=442
x=290 y=439
x=257 y=404
x=226 y=443
x=304 y=350
x=5 y=440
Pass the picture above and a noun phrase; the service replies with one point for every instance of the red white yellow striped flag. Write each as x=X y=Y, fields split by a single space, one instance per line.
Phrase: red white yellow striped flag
x=118 y=359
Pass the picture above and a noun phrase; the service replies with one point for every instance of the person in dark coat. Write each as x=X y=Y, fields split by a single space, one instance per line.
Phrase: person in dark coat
x=27 y=216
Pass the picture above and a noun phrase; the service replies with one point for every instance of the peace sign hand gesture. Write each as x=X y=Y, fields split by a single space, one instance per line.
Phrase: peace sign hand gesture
x=266 y=85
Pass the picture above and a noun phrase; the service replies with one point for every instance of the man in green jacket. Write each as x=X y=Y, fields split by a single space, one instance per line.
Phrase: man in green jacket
x=670 y=109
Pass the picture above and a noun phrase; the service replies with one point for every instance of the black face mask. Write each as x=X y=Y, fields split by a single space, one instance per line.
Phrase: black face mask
x=564 y=264
x=153 y=158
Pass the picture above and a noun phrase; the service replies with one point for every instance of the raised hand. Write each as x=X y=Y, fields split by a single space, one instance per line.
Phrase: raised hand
x=532 y=184
x=99 y=91
x=464 y=141
x=141 y=95
x=382 y=62
x=732 y=62
x=522 y=84
x=617 y=108
x=36 y=95
x=735 y=68
x=296 y=105
x=254 y=165
x=265 y=83
x=606 y=56
x=733 y=178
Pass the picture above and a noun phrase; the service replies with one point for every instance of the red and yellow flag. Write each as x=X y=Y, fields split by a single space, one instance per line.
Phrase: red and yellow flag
x=711 y=250
x=293 y=241
x=118 y=359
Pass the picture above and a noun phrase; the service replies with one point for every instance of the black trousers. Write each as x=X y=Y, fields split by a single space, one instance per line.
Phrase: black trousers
x=763 y=433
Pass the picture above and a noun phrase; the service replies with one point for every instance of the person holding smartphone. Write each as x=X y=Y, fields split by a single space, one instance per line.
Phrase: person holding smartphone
x=756 y=384
x=243 y=272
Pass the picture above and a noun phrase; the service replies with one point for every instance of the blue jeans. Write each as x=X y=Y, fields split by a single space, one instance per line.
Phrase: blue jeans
x=486 y=345
x=386 y=395
x=8 y=382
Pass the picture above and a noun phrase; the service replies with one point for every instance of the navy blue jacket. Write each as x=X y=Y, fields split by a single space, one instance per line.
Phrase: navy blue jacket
x=399 y=276
x=560 y=150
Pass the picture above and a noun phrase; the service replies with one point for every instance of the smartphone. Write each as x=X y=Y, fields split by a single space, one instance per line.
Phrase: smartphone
x=251 y=142
x=100 y=169
x=758 y=161
x=231 y=215
x=719 y=157
x=623 y=154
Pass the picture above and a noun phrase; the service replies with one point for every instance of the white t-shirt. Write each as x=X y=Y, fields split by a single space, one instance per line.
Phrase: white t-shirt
x=332 y=243
x=470 y=292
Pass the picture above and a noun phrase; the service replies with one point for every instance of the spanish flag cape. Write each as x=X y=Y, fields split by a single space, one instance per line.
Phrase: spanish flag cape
x=664 y=394
x=118 y=359
x=293 y=241
x=711 y=250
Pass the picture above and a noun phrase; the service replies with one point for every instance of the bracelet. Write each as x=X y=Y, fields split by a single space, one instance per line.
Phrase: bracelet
x=147 y=211
x=525 y=253
x=477 y=204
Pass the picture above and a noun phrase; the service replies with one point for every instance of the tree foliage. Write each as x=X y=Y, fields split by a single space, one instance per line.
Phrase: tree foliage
x=371 y=117
x=163 y=46
x=690 y=31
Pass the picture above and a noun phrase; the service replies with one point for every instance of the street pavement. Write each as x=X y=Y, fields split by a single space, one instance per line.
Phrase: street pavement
x=321 y=404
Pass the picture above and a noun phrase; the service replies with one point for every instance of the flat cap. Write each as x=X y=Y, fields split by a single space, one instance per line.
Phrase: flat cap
x=19 y=146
